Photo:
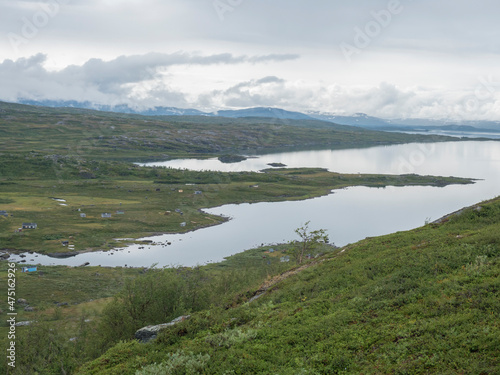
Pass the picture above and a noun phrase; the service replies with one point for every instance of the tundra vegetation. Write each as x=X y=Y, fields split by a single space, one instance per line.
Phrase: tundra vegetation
x=114 y=136
x=413 y=302
x=417 y=302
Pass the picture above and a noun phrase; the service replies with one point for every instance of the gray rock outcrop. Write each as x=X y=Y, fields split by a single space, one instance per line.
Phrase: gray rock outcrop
x=149 y=333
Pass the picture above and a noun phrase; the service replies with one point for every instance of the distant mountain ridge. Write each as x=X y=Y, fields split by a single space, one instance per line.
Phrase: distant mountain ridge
x=267 y=112
x=365 y=121
x=358 y=119
x=120 y=108
x=264 y=112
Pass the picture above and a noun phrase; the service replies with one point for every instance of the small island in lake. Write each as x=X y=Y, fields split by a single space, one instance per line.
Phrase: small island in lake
x=231 y=158
x=277 y=165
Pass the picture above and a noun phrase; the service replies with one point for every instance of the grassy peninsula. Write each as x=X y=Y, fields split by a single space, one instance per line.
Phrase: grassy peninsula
x=54 y=193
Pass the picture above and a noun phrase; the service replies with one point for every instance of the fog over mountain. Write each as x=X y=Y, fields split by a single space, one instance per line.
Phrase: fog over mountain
x=357 y=119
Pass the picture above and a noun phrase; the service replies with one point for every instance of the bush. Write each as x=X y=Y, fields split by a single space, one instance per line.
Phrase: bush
x=162 y=295
x=178 y=363
x=231 y=337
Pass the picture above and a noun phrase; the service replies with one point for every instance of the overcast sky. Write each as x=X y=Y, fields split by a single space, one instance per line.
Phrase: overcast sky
x=392 y=58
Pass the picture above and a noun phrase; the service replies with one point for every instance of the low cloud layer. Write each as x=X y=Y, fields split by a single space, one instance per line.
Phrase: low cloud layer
x=385 y=100
x=123 y=80
x=143 y=81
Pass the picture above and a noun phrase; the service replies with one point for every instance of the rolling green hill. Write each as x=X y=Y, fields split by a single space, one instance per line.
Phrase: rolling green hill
x=424 y=301
x=106 y=135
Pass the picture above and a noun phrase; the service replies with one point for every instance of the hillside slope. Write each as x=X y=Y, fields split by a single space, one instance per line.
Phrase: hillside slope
x=105 y=135
x=424 y=301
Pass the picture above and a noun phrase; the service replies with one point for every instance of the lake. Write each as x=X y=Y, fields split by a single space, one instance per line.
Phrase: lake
x=348 y=215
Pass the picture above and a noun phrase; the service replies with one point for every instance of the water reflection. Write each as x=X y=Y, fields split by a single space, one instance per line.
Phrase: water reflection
x=433 y=158
x=349 y=214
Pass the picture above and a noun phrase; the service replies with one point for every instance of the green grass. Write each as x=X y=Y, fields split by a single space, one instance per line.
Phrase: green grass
x=89 y=308
x=51 y=284
x=63 y=299
x=424 y=301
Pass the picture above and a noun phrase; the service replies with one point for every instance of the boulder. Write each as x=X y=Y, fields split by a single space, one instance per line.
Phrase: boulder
x=149 y=333
x=22 y=301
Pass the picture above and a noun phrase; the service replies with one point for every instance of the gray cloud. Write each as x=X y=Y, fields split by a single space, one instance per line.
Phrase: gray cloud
x=108 y=81
x=428 y=56
x=385 y=100
x=267 y=91
x=138 y=81
x=107 y=75
x=454 y=26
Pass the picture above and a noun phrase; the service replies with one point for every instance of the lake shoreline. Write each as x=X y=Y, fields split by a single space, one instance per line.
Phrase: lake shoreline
x=380 y=209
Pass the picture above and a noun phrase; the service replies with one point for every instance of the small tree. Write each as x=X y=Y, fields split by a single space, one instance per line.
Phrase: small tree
x=310 y=240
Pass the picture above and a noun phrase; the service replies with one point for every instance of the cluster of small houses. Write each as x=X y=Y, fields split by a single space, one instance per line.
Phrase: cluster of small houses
x=104 y=215
x=82 y=215
x=27 y=226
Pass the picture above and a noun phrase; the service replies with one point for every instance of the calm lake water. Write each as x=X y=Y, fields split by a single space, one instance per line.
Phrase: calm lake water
x=348 y=215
